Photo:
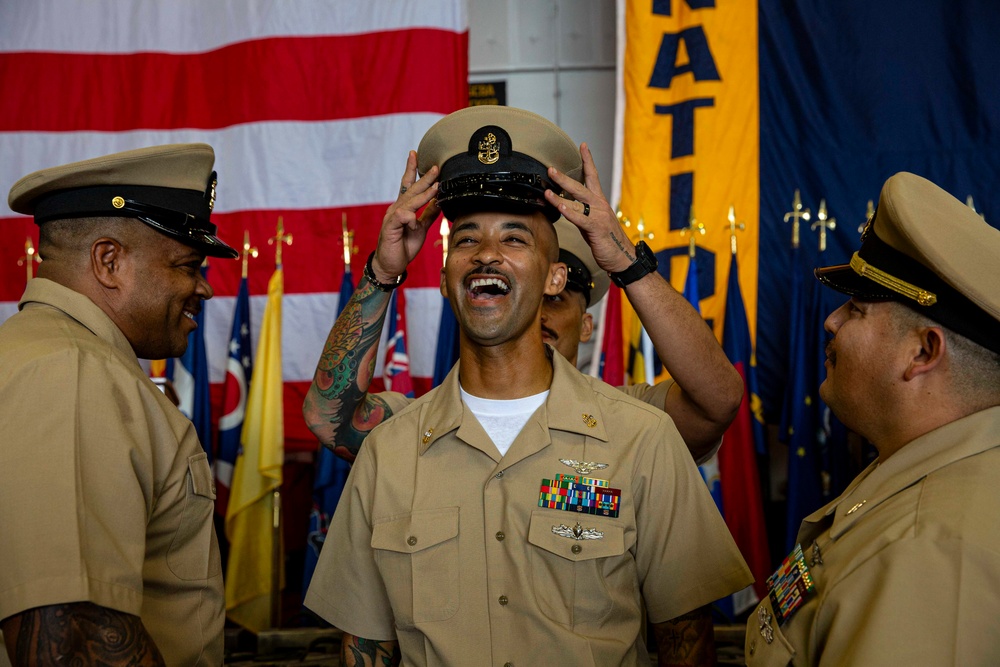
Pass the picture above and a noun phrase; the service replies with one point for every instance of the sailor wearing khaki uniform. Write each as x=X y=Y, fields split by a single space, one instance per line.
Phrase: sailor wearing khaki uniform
x=904 y=567
x=108 y=550
x=521 y=513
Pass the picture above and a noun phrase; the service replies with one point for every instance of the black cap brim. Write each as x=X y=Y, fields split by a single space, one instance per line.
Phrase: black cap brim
x=844 y=279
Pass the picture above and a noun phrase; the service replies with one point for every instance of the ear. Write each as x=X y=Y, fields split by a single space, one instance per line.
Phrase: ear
x=444 y=285
x=556 y=280
x=106 y=257
x=586 y=327
x=931 y=352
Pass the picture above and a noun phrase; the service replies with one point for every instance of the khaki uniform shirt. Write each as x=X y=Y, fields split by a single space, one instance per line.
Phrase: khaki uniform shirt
x=106 y=495
x=440 y=543
x=906 y=562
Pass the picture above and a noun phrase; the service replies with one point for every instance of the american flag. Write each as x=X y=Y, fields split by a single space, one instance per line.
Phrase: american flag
x=311 y=107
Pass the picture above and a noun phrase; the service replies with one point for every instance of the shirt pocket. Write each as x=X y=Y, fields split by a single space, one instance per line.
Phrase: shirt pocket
x=417 y=556
x=578 y=580
x=193 y=552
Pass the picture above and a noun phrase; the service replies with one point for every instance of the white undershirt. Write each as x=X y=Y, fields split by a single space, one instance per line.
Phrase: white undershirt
x=503 y=420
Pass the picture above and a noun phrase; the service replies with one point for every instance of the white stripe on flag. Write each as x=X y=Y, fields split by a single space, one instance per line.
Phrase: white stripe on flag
x=311 y=165
x=83 y=26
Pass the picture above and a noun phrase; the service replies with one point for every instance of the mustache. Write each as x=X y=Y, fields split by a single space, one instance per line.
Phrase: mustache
x=831 y=353
x=551 y=332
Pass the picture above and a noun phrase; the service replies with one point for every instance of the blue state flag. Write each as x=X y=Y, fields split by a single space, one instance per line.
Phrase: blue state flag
x=447 y=344
x=189 y=375
x=331 y=474
x=239 y=368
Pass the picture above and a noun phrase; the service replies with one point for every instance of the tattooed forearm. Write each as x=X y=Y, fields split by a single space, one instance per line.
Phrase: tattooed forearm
x=687 y=640
x=345 y=369
x=359 y=652
x=626 y=249
x=79 y=633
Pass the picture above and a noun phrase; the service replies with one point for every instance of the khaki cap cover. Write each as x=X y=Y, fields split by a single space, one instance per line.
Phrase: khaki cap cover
x=926 y=249
x=172 y=188
x=515 y=175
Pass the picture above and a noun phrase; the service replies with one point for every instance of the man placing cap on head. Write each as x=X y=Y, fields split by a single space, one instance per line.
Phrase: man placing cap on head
x=904 y=567
x=521 y=512
x=108 y=554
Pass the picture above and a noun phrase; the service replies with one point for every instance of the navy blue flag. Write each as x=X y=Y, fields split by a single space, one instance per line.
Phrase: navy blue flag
x=447 y=344
x=189 y=375
x=919 y=92
x=799 y=418
x=239 y=368
x=331 y=474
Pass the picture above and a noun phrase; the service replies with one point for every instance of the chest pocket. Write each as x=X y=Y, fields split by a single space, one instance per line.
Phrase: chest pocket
x=417 y=555
x=578 y=581
x=194 y=552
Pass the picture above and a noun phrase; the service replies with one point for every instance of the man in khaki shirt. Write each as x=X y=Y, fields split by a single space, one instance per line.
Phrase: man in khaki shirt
x=904 y=567
x=521 y=513
x=108 y=552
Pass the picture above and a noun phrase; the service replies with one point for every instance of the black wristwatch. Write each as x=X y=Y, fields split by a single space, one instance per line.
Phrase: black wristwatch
x=645 y=262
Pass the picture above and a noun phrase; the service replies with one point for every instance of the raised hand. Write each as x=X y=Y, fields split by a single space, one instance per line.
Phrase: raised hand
x=592 y=213
x=403 y=229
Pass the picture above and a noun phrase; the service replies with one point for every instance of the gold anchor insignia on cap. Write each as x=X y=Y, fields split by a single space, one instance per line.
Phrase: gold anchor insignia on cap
x=764 y=624
x=489 y=151
x=589 y=420
x=427 y=435
x=583 y=467
x=118 y=202
x=577 y=532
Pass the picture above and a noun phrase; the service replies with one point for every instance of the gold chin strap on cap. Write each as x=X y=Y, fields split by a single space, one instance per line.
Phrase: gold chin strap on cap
x=866 y=270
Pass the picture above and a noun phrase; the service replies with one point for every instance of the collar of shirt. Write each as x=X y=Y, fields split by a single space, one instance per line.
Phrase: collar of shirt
x=78 y=307
x=570 y=405
x=932 y=451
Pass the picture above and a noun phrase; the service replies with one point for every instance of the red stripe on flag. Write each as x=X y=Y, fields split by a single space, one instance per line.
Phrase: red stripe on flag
x=288 y=78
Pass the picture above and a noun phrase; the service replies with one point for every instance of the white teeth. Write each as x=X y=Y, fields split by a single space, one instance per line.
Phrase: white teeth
x=480 y=283
x=189 y=315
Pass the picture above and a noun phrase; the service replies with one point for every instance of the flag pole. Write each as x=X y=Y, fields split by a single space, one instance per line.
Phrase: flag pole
x=347 y=238
x=30 y=258
x=824 y=222
x=795 y=215
x=279 y=239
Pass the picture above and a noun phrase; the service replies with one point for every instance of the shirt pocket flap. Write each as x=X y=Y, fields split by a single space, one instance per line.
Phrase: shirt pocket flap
x=576 y=538
x=202 y=483
x=417 y=531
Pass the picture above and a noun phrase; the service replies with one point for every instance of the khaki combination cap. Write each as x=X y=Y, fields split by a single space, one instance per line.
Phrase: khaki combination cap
x=931 y=252
x=170 y=188
x=584 y=275
x=497 y=158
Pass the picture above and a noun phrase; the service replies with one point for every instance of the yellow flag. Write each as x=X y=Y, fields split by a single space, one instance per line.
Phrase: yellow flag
x=691 y=139
x=257 y=474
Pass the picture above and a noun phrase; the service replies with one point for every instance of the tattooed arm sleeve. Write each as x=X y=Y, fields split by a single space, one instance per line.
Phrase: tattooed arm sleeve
x=78 y=633
x=338 y=408
x=687 y=640
x=359 y=652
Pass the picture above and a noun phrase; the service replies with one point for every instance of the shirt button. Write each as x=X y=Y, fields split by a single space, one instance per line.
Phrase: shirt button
x=411 y=540
x=508 y=664
x=500 y=474
x=500 y=536
x=503 y=600
x=576 y=548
